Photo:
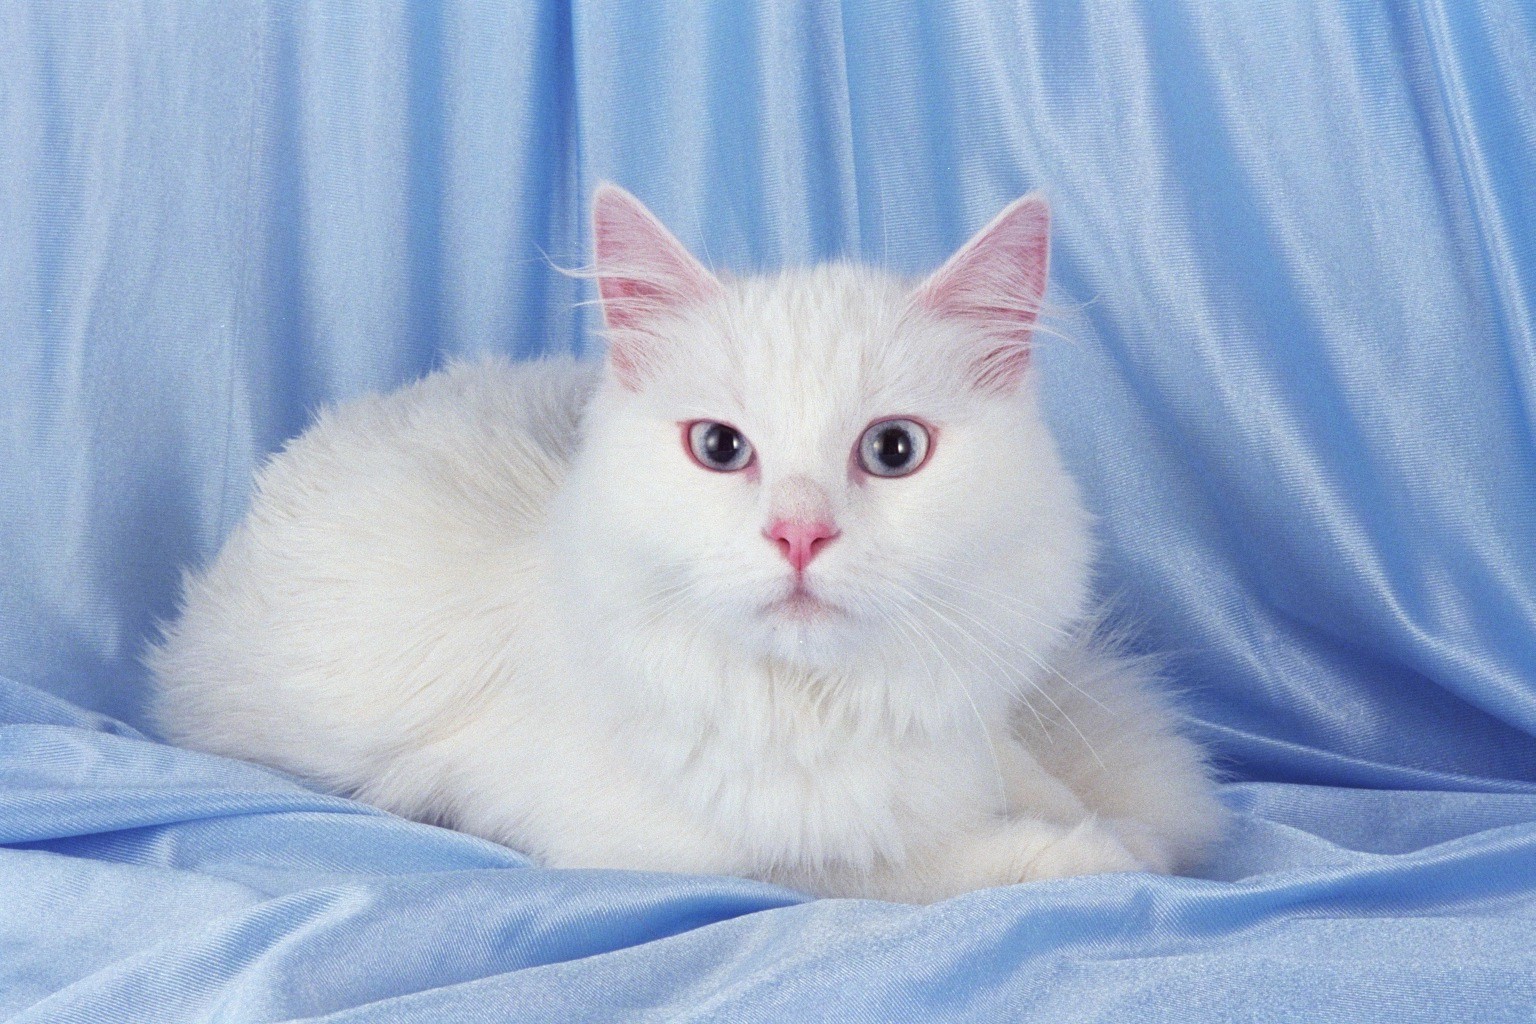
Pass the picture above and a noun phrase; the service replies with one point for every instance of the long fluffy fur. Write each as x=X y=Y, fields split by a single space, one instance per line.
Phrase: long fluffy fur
x=504 y=599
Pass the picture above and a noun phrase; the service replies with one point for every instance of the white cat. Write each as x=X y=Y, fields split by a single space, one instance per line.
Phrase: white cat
x=792 y=587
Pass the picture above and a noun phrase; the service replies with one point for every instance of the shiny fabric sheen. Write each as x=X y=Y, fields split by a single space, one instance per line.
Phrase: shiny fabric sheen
x=1292 y=360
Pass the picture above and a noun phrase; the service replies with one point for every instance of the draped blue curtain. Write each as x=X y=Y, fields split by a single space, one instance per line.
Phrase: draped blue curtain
x=1294 y=275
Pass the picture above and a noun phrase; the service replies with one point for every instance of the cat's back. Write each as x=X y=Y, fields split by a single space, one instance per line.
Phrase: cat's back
x=386 y=549
x=477 y=441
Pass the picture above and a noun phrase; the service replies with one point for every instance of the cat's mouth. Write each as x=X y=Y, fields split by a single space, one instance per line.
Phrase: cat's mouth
x=802 y=605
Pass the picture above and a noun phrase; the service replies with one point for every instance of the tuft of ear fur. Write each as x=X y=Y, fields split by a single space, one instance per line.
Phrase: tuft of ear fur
x=644 y=276
x=994 y=286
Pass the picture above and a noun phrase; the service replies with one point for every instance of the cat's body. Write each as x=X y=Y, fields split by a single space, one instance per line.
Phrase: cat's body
x=504 y=599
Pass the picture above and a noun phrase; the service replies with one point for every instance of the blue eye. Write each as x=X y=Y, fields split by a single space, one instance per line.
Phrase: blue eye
x=893 y=447
x=718 y=446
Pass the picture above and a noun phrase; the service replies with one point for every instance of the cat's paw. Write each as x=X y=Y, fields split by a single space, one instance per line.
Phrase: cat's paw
x=1149 y=847
x=1019 y=850
x=1088 y=848
x=1039 y=850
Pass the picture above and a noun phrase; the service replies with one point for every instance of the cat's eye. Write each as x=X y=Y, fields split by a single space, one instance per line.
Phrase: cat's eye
x=718 y=446
x=893 y=447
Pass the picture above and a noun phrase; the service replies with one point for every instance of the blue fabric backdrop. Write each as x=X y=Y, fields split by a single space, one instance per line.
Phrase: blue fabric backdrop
x=1296 y=262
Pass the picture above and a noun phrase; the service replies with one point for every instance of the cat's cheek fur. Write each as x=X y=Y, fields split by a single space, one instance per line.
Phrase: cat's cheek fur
x=652 y=518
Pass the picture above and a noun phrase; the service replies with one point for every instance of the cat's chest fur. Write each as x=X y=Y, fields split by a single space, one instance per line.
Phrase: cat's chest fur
x=797 y=768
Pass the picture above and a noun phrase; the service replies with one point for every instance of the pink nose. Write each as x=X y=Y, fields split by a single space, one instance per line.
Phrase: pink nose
x=799 y=541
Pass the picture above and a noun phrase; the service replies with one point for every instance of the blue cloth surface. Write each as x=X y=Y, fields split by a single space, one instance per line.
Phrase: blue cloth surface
x=1295 y=272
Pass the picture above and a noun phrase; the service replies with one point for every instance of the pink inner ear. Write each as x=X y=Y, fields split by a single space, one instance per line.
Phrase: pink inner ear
x=644 y=274
x=994 y=286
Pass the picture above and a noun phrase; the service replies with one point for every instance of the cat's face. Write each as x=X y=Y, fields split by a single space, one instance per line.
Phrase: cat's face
x=820 y=463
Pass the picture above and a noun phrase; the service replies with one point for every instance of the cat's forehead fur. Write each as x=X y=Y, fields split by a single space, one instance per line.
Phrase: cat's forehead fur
x=809 y=350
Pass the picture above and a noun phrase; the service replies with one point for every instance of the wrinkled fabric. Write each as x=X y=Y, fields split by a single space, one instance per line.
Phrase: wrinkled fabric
x=1292 y=359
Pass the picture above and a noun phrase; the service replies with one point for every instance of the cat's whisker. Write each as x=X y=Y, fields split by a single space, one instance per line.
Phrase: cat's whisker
x=986 y=734
x=904 y=635
x=672 y=599
x=1055 y=704
x=930 y=597
x=1007 y=670
x=936 y=567
x=1003 y=608
x=930 y=566
x=1024 y=650
x=1012 y=642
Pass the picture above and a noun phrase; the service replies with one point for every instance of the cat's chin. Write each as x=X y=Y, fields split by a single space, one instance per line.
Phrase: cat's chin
x=807 y=629
x=802 y=606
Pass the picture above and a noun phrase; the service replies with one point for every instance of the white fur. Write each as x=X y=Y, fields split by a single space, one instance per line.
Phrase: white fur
x=506 y=600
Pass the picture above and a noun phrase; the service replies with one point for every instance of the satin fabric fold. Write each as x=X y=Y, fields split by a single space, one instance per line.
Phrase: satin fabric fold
x=145 y=882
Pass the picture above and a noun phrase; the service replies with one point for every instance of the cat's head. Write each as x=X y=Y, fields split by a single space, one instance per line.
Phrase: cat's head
x=821 y=463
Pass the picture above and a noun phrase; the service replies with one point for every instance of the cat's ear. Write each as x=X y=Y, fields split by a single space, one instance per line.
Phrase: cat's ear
x=994 y=287
x=644 y=275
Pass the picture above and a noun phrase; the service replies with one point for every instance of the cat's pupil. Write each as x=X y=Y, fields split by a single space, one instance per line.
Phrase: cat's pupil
x=893 y=447
x=721 y=444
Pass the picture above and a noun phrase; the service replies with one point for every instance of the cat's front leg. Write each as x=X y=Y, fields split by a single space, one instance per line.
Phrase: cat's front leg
x=1034 y=793
x=1007 y=852
x=1113 y=742
x=1031 y=849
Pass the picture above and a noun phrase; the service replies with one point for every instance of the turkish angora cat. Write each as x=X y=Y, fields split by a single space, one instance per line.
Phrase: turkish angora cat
x=794 y=586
